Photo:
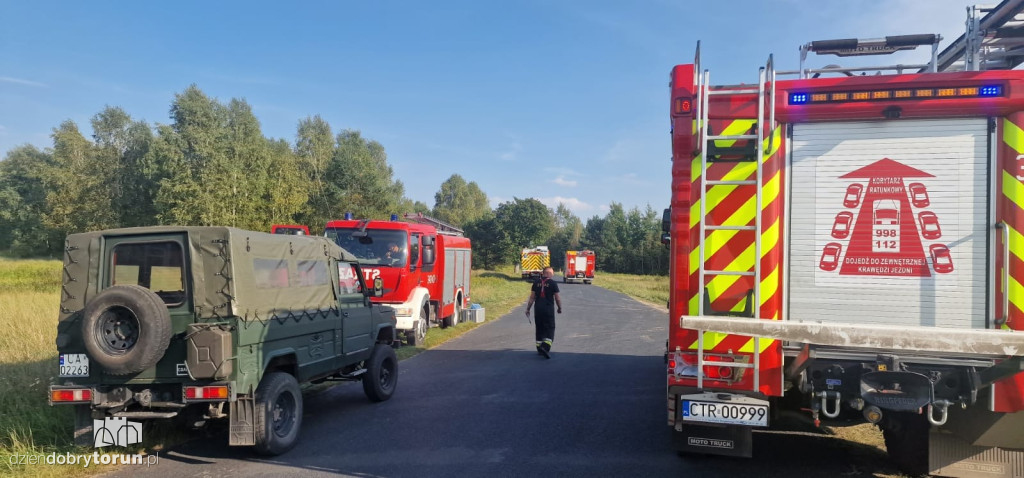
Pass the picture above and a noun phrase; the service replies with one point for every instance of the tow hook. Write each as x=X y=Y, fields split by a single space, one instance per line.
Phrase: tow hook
x=827 y=395
x=943 y=407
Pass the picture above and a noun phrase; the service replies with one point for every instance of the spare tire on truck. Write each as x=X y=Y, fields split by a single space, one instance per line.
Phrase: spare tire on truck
x=126 y=329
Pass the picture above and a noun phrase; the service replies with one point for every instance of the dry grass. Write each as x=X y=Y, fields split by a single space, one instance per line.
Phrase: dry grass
x=29 y=294
x=496 y=291
x=650 y=289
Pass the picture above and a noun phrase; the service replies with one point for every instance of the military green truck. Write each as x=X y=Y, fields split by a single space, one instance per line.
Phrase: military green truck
x=207 y=323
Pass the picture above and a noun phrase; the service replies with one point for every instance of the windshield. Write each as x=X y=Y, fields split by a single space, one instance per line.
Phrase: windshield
x=378 y=248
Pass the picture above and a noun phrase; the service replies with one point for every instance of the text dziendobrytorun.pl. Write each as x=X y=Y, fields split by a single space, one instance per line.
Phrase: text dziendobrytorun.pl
x=84 y=460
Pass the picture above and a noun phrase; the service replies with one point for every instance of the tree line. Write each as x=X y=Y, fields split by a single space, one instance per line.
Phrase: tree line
x=212 y=165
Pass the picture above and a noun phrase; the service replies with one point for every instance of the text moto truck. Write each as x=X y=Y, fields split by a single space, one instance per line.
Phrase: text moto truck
x=851 y=245
x=424 y=263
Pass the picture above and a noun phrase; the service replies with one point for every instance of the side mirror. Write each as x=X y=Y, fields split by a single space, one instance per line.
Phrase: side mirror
x=666 y=238
x=428 y=255
x=666 y=221
x=378 y=287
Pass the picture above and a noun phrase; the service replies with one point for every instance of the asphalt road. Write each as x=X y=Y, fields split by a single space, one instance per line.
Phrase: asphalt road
x=486 y=404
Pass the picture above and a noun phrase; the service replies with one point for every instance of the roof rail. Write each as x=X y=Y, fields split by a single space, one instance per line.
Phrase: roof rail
x=866 y=46
x=441 y=226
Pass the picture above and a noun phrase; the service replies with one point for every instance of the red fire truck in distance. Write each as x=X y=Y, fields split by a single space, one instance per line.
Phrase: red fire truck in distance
x=579 y=266
x=423 y=262
x=289 y=229
x=919 y=329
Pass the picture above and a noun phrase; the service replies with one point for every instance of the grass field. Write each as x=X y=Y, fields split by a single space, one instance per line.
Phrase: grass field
x=29 y=297
x=29 y=294
x=650 y=289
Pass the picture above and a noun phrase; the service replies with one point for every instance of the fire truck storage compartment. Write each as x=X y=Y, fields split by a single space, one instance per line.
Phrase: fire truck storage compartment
x=581 y=265
x=915 y=251
x=456 y=266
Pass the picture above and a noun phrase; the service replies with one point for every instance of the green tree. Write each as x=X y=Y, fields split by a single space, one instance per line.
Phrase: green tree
x=314 y=149
x=361 y=179
x=122 y=149
x=80 y=189
x=459 y=202
x=490 y=243
x=191 y=150
x=23 y=174
x=523 y=223
x=566 y=237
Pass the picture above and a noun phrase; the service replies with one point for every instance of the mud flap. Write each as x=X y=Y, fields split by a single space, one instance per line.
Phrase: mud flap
x=242 y=417
x=83 y=426
x=729 y=440
x=951 y=456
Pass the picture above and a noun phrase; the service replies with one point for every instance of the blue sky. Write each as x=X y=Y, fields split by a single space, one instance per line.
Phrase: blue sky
x=557 y=100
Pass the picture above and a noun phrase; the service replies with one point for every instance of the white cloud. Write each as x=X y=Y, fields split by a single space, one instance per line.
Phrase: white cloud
x=561 y=181
x=512 y=152
x=574 y=204
x=20 y=81
x=564 y=172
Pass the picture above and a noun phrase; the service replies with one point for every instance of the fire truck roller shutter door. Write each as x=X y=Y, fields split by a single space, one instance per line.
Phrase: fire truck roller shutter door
x=888 y=271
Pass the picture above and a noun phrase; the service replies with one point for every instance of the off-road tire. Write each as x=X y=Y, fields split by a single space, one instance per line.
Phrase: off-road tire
x=278 y=413
x=453 y=320
x=381 y=377
x=418 y=334
x=906 y=441
x=131 y=309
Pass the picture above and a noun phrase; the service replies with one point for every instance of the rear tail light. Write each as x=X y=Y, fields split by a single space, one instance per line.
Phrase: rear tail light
x=682 y=105
x=684 y=365
x=213 y=392
x=68 y=395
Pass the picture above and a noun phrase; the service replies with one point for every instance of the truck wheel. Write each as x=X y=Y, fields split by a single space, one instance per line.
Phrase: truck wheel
x=418 y=334
x=381 y=375
x=126 y=329
x=278 y=413
x=453 y=320
x=906 y=441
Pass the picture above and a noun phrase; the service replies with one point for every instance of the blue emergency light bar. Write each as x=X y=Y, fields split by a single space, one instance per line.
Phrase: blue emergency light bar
x=986 y=91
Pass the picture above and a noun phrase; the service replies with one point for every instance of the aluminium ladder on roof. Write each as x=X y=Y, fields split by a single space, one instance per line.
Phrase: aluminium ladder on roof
x=441 y=226
x=993 y=40
x=765 y=94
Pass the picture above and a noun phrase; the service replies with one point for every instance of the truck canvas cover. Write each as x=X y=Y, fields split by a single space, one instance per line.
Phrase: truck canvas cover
x=233 y=272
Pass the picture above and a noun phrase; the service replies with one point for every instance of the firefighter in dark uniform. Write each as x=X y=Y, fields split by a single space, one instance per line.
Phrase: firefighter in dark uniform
x=544 y=293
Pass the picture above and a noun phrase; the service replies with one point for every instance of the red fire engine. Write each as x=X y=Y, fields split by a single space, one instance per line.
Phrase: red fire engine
x=579 y=266
x=289 y=229
x=855 y=244
x=423 y=262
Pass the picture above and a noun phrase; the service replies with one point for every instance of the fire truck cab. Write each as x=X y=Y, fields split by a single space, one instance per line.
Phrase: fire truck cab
x=423 y=262
x=774 y=306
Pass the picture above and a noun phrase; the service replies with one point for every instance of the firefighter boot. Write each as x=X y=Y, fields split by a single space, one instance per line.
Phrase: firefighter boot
x=545 y=348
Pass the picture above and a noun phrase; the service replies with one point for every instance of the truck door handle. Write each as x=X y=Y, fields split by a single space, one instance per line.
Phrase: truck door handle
x=1006 y=275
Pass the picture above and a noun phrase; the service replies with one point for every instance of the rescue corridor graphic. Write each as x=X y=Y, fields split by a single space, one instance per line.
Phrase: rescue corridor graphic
x=883 y=225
